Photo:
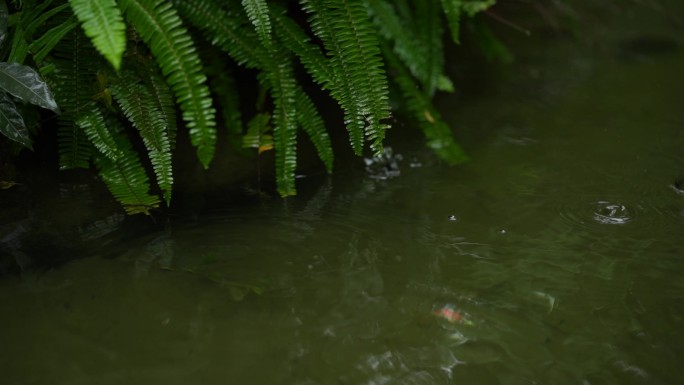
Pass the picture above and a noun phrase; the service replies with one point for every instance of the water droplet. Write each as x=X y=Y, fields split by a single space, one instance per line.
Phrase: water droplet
x=612 y=213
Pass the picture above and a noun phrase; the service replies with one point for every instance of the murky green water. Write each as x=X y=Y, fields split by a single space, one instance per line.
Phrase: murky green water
x=555 y=257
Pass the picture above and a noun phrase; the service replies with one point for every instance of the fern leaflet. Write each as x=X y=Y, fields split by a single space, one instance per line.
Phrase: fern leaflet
x=104 y=25
x=138 y=104
x=161 y=28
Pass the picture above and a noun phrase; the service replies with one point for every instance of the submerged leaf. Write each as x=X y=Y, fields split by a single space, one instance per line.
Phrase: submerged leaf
x=25 y=83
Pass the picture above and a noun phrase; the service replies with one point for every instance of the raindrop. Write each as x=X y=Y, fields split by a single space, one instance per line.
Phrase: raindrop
x=612 y=213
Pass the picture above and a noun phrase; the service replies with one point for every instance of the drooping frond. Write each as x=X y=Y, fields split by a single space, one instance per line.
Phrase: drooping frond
x=351 y=42
x=429 y=32
x=312 y=123
x=418 y=44
x=138 y=104
x=72 y=81
x=225 y=30
x=452 y=11
x=103 y=24
x=161 y=28
x=42 y=46
x=12 y=123
x=257 y=11
x=282 y=86
x=226 y=95
x=126 y=178
x=438 y=134
x=92 y=122
x=162 y=97
x=256 y=136
x=309 y=54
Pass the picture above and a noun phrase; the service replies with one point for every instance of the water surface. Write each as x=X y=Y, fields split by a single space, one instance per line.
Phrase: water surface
x=554 y=257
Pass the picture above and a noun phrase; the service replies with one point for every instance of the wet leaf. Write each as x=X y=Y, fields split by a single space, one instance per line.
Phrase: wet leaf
x=25 y=83
x=3 y=21
x=11 y=122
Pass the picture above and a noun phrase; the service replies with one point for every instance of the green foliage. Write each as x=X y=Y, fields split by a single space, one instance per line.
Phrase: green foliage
x=354 y=57
x=12 y=123
x=121 y=77
x=137 y=104
x=127 y=179
x=103 y=24
x=24 y=83
x=438 y=134
x=160 y=27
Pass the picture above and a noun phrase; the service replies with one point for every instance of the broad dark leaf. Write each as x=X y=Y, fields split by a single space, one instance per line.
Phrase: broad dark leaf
x=25 y=83
x=11 y=123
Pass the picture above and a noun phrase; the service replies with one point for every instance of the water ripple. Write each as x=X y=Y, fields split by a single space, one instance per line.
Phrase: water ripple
x=609 y=213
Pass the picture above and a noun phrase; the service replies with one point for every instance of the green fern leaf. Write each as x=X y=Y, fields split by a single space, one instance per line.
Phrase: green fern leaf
x=225 y=30
x=296 y=40
x=126 y=178
x=93 y=125
x=75 y=63
x=257 y=11
x=429 y=32
x=227 y=96
x=471 y=7
x=42 y=46
x=312 y=123
x=104 y=25
x=452 y=11
x=162 y=99
x=12 y=123
x=256 y=136
x=138 y=104
x=282 y=87
x=159 y=25
x=438 y=134
x=352 y=45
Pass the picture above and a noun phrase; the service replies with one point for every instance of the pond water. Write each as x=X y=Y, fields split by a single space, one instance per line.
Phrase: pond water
x=554 y=257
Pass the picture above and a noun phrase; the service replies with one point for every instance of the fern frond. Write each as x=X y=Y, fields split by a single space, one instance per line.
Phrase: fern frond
x=42 y=46
x=429 y=30
x=352 y=45
x=126 y=178
x=312 y=123
x=103 y=24
x=282 y=86
x=309 y=54
x=257 y=11
x=162 y=98
x=417 y=44
x=227 y=96
x=438 y=134
x=161 y=28
x=138 y=104
x=75 y=64
x=452 y=11
x=225 y=30
x=93 y=125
